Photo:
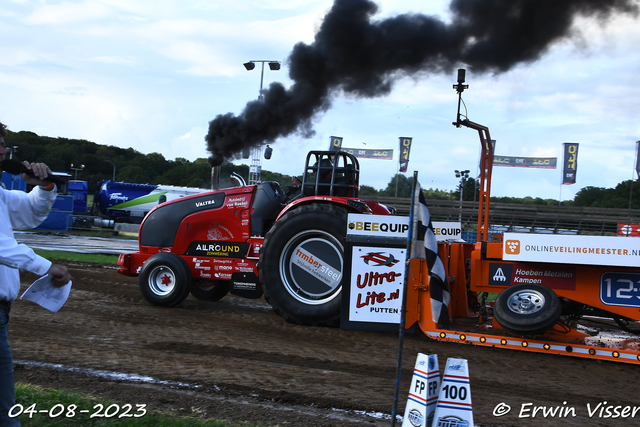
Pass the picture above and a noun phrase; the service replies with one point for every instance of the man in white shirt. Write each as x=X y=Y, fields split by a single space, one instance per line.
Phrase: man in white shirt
x=20 y=210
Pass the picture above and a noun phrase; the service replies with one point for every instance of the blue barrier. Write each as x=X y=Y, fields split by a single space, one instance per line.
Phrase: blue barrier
x=469 y=236
x=60 y=217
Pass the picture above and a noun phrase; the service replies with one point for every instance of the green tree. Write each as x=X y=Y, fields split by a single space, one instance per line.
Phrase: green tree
x=399 y=186
x=470 y=189
x=27 y=145
x=625 y=193
x=438 y=194
x=366 y=190
x=134 y=174
x=133 y=166
x=187 y=174
x=590 y=196
x=527 y=200
x=620 y=197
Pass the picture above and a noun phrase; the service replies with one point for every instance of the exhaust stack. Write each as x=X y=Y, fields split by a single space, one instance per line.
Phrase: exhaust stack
x=215 y=178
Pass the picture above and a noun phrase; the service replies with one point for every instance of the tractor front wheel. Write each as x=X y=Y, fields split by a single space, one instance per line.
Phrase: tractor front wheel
x=165 y=280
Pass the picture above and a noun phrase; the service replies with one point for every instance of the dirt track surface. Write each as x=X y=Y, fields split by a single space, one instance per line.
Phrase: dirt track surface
x=236 y=359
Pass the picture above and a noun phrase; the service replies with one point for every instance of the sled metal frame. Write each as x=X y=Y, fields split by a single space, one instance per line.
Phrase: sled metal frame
x=469 y=327
x=475 y=327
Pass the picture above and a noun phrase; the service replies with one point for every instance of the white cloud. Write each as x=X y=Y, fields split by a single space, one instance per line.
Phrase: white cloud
x=68 y=13
x=114 y=60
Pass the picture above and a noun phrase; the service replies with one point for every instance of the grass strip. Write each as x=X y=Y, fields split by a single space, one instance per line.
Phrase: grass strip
x=80 y=257
x=41 y=407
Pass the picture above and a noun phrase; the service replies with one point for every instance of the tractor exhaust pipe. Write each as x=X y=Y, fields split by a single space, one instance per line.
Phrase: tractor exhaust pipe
x=215 y=178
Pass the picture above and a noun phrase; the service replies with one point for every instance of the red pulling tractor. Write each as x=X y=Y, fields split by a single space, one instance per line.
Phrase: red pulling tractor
x=253 y=239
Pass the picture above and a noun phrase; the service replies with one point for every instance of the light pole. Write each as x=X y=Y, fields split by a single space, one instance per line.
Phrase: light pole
x=273 y=66
x=77 y=169
x=114 y=169
x=462 y=175
x=255 y=170
x=11 y=151
x=633 y=174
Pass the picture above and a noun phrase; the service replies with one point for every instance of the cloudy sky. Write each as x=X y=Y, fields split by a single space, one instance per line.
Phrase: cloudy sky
x=152 y=74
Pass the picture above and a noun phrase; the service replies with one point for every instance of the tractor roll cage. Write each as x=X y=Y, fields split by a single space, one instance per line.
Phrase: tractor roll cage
x=331 y=173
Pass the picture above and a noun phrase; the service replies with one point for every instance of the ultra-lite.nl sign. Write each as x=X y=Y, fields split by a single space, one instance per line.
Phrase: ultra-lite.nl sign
x=376 y=270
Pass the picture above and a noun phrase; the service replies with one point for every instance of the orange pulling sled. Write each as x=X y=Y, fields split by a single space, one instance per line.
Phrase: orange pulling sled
x=567 y=295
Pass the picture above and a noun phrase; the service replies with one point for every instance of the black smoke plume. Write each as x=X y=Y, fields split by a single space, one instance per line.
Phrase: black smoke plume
x=358 y=56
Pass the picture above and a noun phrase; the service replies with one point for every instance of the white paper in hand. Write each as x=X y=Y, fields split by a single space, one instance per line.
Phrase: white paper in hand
x=43 y=293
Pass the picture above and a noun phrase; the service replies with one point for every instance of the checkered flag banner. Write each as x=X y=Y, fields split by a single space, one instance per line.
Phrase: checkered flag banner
x=425 y=246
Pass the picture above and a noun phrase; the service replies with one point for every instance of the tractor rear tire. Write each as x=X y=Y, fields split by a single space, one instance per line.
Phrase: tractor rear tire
x=302 y=264
x=527 y=309
x=165 y=280
x=211 y=291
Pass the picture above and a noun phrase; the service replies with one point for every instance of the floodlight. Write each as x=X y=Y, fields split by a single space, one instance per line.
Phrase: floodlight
x=461 y=75
x=249 y=65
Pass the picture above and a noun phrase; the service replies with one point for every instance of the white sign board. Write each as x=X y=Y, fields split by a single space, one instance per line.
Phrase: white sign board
x=377 y=272
x=378 y=225
x=593 y=250
x=447 y=230
x=397 y=226
x=377 y=280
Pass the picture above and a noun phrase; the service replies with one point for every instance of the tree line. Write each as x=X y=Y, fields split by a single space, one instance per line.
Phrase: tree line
x=94 y=163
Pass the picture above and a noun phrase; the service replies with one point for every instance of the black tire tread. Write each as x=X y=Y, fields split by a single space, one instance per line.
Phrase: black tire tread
x=527 y=324
x=221 y=289
x=266 y=257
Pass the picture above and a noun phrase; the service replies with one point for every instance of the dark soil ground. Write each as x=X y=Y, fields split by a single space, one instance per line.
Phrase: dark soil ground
x=235 y=359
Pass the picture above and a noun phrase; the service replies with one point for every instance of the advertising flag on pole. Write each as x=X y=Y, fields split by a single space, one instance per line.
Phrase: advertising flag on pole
x=570 y=163
x=336 y=143
x=405 y=148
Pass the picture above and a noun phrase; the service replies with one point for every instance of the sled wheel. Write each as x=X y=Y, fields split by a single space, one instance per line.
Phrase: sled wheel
x=165 y=279
x=527 y=309
x=211 y=291
x=302 y=264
